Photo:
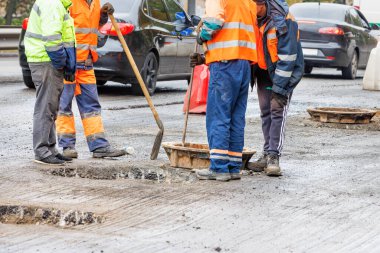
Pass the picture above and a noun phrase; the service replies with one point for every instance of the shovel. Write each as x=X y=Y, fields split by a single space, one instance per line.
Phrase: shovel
x=160 y=134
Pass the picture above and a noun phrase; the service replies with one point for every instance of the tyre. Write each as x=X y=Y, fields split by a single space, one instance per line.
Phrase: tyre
x=149 y=73
x=101 y=82
x=28 y=81
x=352 y=69
x=308 y=69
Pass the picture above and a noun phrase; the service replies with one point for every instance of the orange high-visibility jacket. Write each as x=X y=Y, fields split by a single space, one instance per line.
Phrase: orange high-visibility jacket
x=237 y=38
x=86 y=22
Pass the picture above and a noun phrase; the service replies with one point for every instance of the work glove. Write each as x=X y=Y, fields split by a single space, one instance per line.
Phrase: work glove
x=108 y=9
x=196 y=59
x=69 y=77
x=280 y=99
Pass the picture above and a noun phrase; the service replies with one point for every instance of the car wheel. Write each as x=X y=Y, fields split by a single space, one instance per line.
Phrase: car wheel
x=149 y=73
x=28 y=81
x=101 y=82
x=350 y=71
x=308 y=69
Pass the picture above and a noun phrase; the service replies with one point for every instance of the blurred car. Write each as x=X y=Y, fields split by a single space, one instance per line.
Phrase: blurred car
x=159 y=34
x=334 y=36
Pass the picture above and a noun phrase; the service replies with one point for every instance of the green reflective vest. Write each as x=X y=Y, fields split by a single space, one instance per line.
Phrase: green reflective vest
x=50 y=28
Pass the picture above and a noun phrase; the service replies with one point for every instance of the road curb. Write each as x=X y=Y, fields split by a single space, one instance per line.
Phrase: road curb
x=11 y=79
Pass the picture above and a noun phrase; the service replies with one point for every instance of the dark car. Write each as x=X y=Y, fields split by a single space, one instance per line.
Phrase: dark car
x=334 y=36
x=159 y=34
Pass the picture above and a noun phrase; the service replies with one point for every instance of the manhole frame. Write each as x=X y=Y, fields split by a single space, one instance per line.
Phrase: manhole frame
x=341 y=115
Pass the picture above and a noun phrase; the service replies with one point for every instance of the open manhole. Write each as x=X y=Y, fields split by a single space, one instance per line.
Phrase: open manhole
x=14 y=214
x=342 y=115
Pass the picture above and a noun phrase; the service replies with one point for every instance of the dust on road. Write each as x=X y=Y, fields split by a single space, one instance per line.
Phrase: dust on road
x=327 y=200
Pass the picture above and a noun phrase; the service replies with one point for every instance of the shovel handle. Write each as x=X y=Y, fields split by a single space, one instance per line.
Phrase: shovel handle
x=188 y=100
x=135 y=70
x=190 y=89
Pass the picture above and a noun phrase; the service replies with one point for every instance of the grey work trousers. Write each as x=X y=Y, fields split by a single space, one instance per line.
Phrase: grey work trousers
x=273 y=115
x=49 y=86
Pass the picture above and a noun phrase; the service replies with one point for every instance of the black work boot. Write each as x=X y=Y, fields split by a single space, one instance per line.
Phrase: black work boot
x=108 y=152
x=64 y=158
x=273 y=166
x=50 y=160
x=258 y=165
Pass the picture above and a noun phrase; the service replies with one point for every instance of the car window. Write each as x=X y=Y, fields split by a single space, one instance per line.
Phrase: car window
x=363 y=20
x=157 y=10
x=316 y=11
x=173 y=8
x=355 y=18
x=145 y=8
x=120 y=5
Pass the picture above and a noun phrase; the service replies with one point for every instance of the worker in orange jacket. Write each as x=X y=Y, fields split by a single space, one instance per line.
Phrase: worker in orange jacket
x=280 y=69
x=229 y=31
x=88 y=18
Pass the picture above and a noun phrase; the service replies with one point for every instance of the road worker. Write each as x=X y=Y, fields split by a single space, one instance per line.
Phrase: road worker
x=88 y=18
x=228 y=31
x=50 y=50
x=280 y=69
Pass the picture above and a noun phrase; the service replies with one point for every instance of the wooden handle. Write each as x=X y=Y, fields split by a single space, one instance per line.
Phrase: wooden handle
x=134 y=67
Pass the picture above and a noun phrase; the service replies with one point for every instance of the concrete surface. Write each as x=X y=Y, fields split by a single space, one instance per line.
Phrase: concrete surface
x=327 y=200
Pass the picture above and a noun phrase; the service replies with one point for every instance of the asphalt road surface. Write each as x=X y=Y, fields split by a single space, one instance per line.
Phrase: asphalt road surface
x=327 y=200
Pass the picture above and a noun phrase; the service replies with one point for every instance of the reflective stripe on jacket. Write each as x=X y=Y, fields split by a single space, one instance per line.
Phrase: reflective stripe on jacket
x=50 y=33
x=237 y=37
x=281 y=55
x=86 y=21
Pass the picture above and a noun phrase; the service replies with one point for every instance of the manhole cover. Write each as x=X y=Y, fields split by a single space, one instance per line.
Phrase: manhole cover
x=342 y=115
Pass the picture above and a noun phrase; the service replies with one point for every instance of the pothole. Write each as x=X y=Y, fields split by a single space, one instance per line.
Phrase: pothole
x=111 y=170
x=14 y=214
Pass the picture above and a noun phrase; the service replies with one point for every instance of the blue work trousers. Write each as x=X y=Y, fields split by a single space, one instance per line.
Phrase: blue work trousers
x=225 y=118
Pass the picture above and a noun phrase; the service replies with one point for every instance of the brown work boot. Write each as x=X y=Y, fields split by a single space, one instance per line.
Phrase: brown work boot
x=273 y=166
x=70 y=152
x=108 y=152
x=207 y=174
x=258 y=165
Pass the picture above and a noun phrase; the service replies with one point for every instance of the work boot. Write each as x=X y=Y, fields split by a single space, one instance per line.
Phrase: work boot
x=235 y=176
x=70 y=152
x=273 y=167
x=207 y=174
x=258 y=165
x=50 y=160
x=108 y=152
x=64 y=158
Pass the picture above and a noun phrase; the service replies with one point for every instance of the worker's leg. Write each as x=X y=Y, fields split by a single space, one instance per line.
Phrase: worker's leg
x=264 y=93
x=277 y=127
x=65 y=122
x=241 y=84
x=49 y=85
x=223 y=92
x=90 y=110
